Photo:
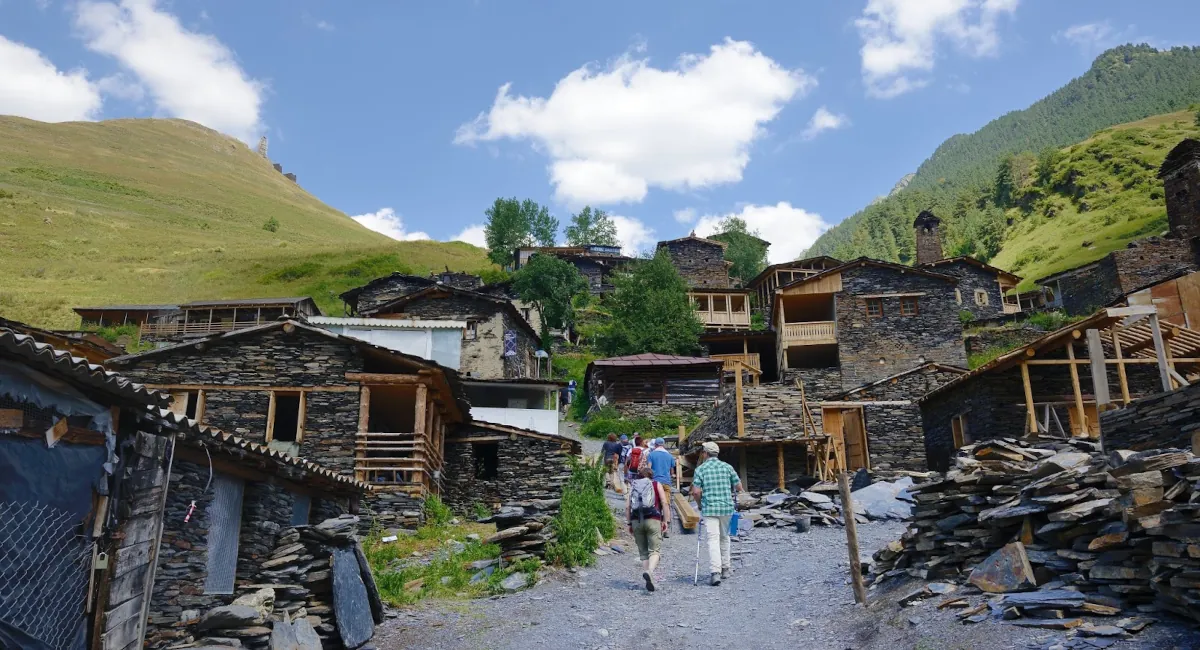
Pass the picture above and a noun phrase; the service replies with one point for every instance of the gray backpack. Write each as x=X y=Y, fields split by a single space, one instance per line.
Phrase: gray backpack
x=642 y=501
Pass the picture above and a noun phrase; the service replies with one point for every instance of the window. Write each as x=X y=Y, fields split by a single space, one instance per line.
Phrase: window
x=487 y=460
x=301 y=506
x=981 y=298
x=958 y=430
x=285 y=417
x=875 y=307
x=737 y=304
x=224 y=527
x=908 y=306
x=958 y=296
x=471 y=333
x=701 y=303
x=526 y=312
x=188 y=403
x=719 y=303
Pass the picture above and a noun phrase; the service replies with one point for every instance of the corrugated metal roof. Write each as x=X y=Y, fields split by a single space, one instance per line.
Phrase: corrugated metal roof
x=393 y=323
x=654 y=359
x=45 y=357
x=245 y=301
x=192 y=428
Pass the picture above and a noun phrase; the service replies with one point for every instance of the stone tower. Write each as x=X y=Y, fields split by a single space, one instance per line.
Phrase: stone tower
x=929 y=240
x=262 y=146
x=1180 y=174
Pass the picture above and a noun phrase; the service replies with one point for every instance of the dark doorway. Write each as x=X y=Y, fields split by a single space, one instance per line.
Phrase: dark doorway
x=487 y=460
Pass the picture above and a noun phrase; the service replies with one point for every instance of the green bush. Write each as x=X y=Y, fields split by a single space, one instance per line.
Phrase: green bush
x=965 y=316
x=578 y=409
x=271 y=225
x=582 y=512
x=1049 y=320
x=437 y=513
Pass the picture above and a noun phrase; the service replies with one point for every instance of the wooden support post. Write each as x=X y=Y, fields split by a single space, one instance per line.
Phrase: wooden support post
x=779 y=458
x=1031 y=411
x=1099 y=374
x=1078 y=392
x=860 y=591
x=1121 y=376
x=419 y=409
x=682 y=436
x=1160 y=352
x=741 y=416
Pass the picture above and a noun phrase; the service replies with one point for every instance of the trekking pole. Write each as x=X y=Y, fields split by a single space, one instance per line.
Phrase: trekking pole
x=699 y=532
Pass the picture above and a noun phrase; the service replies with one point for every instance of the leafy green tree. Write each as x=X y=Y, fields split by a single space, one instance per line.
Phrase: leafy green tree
x=512 y=224
x=746 y=250
x=594 y=227
x=550 y=285
x=650 y=311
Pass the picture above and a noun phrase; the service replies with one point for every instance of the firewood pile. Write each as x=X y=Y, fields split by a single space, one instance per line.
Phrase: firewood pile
x=294 y=597
x=1111 y=535
x=782 y=509
x=523 y=528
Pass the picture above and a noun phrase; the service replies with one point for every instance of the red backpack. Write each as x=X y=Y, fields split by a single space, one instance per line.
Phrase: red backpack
x=634 y=455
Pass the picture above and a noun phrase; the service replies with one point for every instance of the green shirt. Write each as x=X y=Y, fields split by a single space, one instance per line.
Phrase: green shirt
x=716 y=479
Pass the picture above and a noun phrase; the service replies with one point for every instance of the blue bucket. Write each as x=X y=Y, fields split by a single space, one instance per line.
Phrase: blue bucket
x=733 y=524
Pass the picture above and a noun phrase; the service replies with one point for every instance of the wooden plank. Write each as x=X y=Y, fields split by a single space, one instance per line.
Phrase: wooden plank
x=386 y=378
x=131 y=556
x=123 y=612
x=1085 y=428
x=779 y=461
x=1189 y=298
x=1160 y=352
x=364 y=409
x=855 y=436
x=688 y=517
x=11 y=418
x=860 y=590
x=1030 y=411
x=271 y=418
x=139 y=529
x=1099 y=374
x=1123 y=379
x=1137 y=310
x=121 y=635
x=420 y=405
x=303 y=412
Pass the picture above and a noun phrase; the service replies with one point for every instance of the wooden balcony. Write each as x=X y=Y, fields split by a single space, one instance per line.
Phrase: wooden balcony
x=734 y=319
x=171 y=330
x=731 y=361
x=402 y=462
x=809 y=333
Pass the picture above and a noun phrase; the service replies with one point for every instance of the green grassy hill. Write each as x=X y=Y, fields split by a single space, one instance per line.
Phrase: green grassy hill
x=165 y=211
x=957 y=182
x=1092 y=197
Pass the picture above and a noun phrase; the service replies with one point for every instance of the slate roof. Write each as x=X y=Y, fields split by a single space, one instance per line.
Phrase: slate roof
x=654 y=359
x=973 y=262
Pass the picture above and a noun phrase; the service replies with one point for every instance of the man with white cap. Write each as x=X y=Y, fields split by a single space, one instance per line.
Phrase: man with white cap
x=713 y=485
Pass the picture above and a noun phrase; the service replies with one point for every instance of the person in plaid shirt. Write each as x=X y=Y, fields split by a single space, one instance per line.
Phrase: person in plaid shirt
x=713 y=485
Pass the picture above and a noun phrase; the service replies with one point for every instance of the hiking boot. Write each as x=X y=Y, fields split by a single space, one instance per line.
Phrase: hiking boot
x=726 y=573
x=649 y=581
x=714 y=579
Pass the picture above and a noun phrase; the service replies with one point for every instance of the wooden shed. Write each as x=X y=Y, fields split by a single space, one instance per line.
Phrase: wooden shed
x=654 y=379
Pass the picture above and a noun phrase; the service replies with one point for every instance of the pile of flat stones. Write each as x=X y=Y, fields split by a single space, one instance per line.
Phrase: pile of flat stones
x=522 y=528
x=784 y=509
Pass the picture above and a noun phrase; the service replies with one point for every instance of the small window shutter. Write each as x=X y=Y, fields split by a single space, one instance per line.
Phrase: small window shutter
x=224 y=526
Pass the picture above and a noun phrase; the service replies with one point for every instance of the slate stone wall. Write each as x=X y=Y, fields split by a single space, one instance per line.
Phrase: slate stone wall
x=528 y=468
x=482 y=358
x=274 y=359
x=772 y=412
x=895 y=434
x=993 y=404
x=971 y=278
x=762 y=464
x=1151 y=260
x=654 y=412
x=387 y=290
x=1157 y=421
x=1181 y=186
x=266 y=510
x=819 y=383
x=872 y=348
x=1087 y=289
x=701 y=264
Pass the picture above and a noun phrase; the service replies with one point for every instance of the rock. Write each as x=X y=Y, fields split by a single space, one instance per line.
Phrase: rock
x=515 y=531
x=1059 y=462
x=482 y=564
x=815 y=498
x=262 y=600
x=776 y=498
x=882 y=500
x=306 y=636
x=1052 y=624
x=1047 y=599
x=474 y=537
x=231 y=616
x=219 y=642
x=483 y=574
x=1100 y=630
x=603 y=632
x=514 y=582
x=283 y=637
x=1080 y=510
x=1005 y=570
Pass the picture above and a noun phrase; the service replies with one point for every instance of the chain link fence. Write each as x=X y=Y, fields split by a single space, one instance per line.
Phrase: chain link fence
x=44 y=568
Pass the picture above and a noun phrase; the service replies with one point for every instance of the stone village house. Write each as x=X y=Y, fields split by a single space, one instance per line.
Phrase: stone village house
x=109 y=532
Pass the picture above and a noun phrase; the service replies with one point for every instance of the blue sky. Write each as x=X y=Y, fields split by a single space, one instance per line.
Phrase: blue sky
x=667 y=114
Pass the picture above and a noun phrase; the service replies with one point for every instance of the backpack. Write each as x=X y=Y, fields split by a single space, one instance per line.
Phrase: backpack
x=641 y=493
x=626 y=449
x=644 y=460
x=635 y=455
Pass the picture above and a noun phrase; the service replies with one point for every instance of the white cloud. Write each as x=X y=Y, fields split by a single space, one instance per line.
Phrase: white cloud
x=686 y=215
x=32 y=87
x=324 y=26
x=790 y=230
x=634 y=235
x=122 y=87
x=1093 y=38
x=613 y=133
x=385 y=221
x=824 y=120
x=900 y=38
x=187 y=74
x=472 y=234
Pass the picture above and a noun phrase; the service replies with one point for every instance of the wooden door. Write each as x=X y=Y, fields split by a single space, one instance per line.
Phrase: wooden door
x=1189 y=298
x=855 y=435
x=831 y=424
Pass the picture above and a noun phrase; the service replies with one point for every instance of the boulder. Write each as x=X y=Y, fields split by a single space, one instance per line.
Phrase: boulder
x=283 y=637
x=262 y=600
x=306 y=636
x=1063 y=460
x=231 y=616
x=1005 y=570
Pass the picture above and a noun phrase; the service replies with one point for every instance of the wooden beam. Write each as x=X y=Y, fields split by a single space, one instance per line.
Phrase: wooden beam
x=385 y=378
x=1136 y=310
x=1160 y=352
x=220 y=387
x=364 y=409
x=419 y=409
x=1099 y=374
x=1121 y=376
x=1078 y=392
x=1110 y=362
x=1030 y=412
x=782 y=473
x=860 y=590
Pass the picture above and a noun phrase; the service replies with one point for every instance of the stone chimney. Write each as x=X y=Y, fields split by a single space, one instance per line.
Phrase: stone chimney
x=929 y=240
x=1180 y=174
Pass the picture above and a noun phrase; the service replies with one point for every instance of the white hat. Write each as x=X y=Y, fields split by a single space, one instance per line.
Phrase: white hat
x=711 y=448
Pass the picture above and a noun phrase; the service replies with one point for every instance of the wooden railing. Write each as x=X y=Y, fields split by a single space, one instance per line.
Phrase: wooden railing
x=154 y=330
x=810 y=333
x=735 y=319
x=401 y=461
x=732 y=360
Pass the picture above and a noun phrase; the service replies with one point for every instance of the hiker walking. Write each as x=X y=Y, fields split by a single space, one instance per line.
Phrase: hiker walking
x=623 y=461
x=648 y=513
x=713 y=485
x=610 y=454
x=662 y=462
x=635 y=457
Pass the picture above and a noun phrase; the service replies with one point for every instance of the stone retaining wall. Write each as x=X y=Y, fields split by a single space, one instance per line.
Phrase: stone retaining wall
x=526 y=468
x=1158 y=421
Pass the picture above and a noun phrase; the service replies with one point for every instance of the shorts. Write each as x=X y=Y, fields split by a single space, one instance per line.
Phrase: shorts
x=648 y=536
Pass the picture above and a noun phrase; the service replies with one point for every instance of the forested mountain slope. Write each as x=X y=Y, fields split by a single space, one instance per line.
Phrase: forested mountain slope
x=165 y=211
x=958 y=182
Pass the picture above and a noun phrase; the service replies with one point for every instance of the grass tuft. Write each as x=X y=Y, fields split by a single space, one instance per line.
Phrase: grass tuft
x=583 y=512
